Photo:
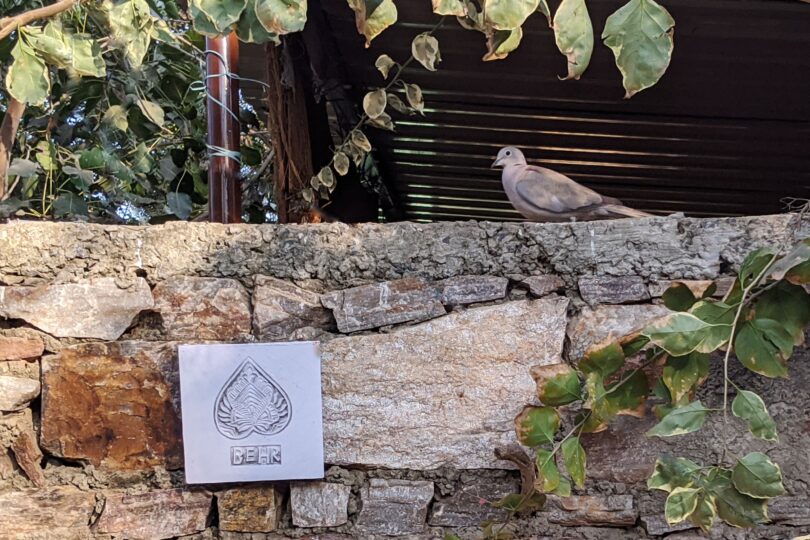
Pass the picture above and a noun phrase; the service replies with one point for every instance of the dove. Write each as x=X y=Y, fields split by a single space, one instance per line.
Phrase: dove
x=541 y=194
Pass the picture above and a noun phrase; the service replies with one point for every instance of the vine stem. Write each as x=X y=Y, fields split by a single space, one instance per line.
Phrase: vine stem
x=9 y=24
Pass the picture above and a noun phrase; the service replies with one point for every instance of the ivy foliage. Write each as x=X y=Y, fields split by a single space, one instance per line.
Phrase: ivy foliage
x=760 y=320
x=115 y=126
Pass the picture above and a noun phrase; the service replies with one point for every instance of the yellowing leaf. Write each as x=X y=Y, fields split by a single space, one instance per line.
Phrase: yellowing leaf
x=341 y=163
x=116 y=116
x=501 y=42
x=131 y=28
x=559 y=387
x=282 y=16
x=757 y=476
x=449 y=7
x=384 y=64
x=575 y=460
x=682 y=333
x=537 y=425
x=86 y=56
x=425 y=49
x=640 y=35
x=27 y=79
x=603 y=358
x=250 y=30
x=548 y=476
x=681 y=502
x=573 y=33
x=414 y=96
x=222 y=13
x=762 y=345
x=374 y=103
x=671 y=472
x=373 y=16
x=733 y=507
x=152 y=111
x=508 y=14
x=683 y=374
x=680 y=421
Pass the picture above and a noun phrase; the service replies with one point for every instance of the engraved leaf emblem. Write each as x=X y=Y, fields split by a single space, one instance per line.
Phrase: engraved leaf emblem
x=251 y=401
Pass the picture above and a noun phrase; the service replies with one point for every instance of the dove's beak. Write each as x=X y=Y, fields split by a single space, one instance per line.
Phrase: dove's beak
x=496 y=164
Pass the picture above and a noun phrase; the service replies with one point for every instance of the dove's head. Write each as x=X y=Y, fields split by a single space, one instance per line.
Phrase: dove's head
x=509 y=156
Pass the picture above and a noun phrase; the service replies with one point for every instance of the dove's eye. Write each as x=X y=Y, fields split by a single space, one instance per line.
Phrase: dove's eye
x=508 y=153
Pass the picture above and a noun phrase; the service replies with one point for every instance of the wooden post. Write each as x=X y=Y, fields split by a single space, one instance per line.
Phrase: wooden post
x=224 y=189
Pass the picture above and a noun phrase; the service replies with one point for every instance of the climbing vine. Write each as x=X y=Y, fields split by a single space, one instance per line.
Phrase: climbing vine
x=760 y=321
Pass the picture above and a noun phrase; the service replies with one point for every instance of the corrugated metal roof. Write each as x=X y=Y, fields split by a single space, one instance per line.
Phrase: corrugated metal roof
x=726 y=131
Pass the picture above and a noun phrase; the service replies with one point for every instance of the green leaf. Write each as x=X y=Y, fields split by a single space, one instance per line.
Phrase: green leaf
x=449 y=7
x=413 y=93
x=222 y=13
x=179 y=204
x=629 y=396
x=374 y=103
x=116 y=116
x=537 y=425
x=757 y=476
x=282 y=16
x=753 y=265
x=95 y=158
x=81 y=179
x=714 y=312
x=86 y=55
x=508 y=14
x=561 y=389
x=633 y=343
x=548 y=476
x=683 y=374
x=501 y=42
x=564 y=489
x=797 y=256
x=680 y=421
x=250 y=30
x=542 y=7
x=152 y=111
x=202 y=22
x=681 y=502
x=682 y=333
x=131 y=28
x=759 y=346
x=425 y=49
x=518 y=503
x=575 y=460
x=604 y=359
x=671 y=472
x=750 y=407
x=602 y=410
x=678 y=297
x=733 y=507
x=27 y=79
x=573 y=34
x=704 y=513
x=69 y=204
x=46 y=155
x=373 y=16
x=50 y=43
x=787 y=303
x=384 y=63
x=640 y=36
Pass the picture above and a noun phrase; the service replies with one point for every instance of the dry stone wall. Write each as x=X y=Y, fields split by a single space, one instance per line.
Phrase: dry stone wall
x=428 y=337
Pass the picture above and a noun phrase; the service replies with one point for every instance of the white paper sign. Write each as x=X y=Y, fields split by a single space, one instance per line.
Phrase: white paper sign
x=251 y=412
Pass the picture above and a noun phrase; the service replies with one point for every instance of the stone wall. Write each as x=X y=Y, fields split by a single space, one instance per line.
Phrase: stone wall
x=428 y=334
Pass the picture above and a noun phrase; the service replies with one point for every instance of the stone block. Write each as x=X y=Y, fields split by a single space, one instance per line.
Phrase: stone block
x=613 y=290
x=393 y=507
x=113 y=404
x=622 y=453
x=592 y=326
x=383 y=304
x=28 y=456
x=249 y=509
x=154 y=515
x=280 y=309
x=96 y=308
x=319 y=504
x=656 y=525
x=20 y=348
x=461 y=290
x=440 y=393
x=794 y=511
x=587 y=511
x=468 y=507
x=203 y=308
x=16 y=393
x=59 y=512
x=543 y=285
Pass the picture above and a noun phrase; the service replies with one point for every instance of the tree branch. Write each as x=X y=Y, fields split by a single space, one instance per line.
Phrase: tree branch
x=8 y=131
x=9 y=24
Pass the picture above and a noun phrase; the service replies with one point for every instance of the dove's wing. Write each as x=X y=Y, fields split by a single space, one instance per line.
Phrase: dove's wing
x=551 y=191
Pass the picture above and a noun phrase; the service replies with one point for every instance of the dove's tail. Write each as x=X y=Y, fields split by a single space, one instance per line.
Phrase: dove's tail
x=619 y=210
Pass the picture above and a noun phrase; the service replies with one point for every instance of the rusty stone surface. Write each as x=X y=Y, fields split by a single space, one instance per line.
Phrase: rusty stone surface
x=16 y=393
x=441 y=393
x=592 y=326
x=394 y=507
x=96 y=308
x=28 y=456
x=461 y=290
x=613 y=290
x=319 y=504
x=115 y=405
x=60 y=512
x=383 y=304
x=543 y=285
x=203 y=308
x=155 y=515
x=20 y=348
x=280 y=308
x=622 y=453
x=249 y=509
x=467 y=507
x=585 y=510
